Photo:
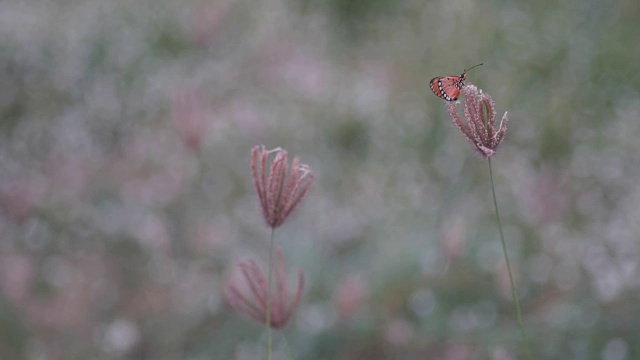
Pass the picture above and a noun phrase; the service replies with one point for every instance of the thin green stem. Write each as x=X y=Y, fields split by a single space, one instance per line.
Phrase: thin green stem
x=506 y=259
x=268 y=322
x=287 y=348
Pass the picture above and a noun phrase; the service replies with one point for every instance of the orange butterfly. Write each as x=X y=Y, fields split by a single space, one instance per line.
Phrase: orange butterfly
x=448 y=87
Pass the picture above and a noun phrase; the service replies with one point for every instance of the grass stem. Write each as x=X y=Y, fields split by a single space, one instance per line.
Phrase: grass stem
x=506 y=259
x=268 y=322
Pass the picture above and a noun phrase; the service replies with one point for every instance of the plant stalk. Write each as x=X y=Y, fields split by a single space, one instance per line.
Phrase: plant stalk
x=268 y=322
x=506 y=258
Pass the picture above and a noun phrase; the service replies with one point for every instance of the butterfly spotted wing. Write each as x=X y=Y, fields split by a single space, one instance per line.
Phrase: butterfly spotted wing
x=448 y=87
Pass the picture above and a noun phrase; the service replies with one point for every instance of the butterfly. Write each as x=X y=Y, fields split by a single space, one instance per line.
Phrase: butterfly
x=448 y=87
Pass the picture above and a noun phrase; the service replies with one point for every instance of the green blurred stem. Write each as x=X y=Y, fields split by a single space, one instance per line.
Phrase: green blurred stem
x=268 y=322
x=506 y=258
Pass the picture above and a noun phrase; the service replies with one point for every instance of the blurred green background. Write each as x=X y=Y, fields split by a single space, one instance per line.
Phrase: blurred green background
x=126 y=193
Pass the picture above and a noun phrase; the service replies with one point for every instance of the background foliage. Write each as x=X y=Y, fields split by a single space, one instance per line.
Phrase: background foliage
x=126 y=196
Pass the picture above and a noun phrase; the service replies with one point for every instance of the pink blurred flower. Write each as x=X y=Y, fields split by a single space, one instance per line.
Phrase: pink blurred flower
x=458 y=352
x=151 y=169
x=290 y=66
x=502 y=278
x=152 y=233
x=246 y=291
x=69 y=175
x=20 y=196
x=399 y=332
x=349 y=296
x=190 y=117
x=17 y=274
x=245 y=114
x=500 y=353
x=546 y=198
x=192 y=285
x=209 y=236
x=78 y=285
x=453 y=239
x=208 y=20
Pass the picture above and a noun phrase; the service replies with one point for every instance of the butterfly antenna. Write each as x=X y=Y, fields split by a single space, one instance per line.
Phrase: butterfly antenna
x=474 y=66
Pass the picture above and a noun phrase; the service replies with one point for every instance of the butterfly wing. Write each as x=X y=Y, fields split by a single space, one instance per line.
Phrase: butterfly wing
x=447 y=87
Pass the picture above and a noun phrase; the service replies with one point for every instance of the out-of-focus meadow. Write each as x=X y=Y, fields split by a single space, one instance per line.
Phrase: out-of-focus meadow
x=126 y=194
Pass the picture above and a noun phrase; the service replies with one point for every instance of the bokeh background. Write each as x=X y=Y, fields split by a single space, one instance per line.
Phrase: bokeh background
x=126 y=194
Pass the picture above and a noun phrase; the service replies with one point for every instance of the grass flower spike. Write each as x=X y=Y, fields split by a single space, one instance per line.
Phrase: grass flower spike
x=281 y=189
x=479 y=126
x=247 y=290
